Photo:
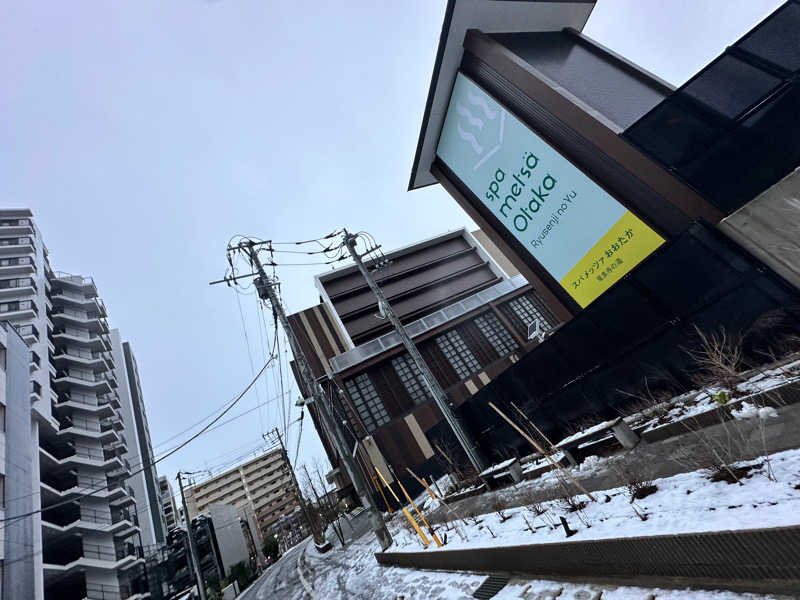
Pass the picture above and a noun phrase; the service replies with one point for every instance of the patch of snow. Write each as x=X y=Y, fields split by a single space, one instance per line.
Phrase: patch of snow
x=751 y=411
x=497 y=467
x=684 y=503
x=585 y=433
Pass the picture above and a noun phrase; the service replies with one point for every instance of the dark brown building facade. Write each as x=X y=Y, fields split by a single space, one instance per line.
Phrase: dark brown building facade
x=468 y=319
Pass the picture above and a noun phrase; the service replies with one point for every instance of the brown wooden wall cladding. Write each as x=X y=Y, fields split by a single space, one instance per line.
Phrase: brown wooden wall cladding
x=416 y=283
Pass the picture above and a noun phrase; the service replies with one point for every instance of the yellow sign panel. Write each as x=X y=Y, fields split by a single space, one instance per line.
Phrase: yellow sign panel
x=624 y=246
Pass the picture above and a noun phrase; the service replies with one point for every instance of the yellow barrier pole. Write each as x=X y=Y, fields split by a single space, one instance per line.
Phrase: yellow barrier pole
x=380 y=489
x=425 y=541
x=419 y=514
x=423 y=482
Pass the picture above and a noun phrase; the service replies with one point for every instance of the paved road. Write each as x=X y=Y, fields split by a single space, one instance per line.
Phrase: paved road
x=281 y=581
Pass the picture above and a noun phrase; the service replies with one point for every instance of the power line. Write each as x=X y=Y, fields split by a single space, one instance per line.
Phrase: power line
x=153 y=463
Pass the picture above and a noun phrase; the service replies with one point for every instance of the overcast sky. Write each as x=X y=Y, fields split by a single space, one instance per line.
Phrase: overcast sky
x=144 y=134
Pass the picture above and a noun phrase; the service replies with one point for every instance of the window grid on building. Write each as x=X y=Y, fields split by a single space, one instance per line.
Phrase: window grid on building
x=528 y=312
x=367 y=401
x=496 y=334
x=411 y=377
x=458 y=354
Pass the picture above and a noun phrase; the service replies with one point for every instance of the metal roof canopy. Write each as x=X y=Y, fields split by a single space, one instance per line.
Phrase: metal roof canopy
x=489 y=16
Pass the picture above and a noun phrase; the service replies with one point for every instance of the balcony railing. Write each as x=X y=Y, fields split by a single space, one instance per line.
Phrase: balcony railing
x=98 y=591
x=90 y=453
x=26 y=330
x=78 y=314
x=19 y=305
x=71 y=331
x=15 y=222
x=19 y=282
x=94 y=483
x=123 y=550
x=16 y=241
x=80 y=423
x=99 y=552
x=73 y=396
x=95 y=516
x=76 y=375
x=70 y=295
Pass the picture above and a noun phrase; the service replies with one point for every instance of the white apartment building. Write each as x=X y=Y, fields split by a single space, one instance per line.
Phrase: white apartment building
x=263 y=485
x=140 y=448
x=168 y=506
x=84 y=539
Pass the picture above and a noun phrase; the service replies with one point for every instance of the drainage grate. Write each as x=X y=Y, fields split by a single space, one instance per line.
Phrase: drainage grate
x=490 y=587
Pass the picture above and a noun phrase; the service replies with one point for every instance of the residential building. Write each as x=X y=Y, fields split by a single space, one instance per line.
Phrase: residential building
x=468 y=319
x=143 y=479
x=168 y=506
x=84 y=528
x=263 y=485
x=17 y=451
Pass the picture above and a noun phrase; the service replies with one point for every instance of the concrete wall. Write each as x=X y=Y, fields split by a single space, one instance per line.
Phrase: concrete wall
x=19 y=540
x=228 y=531
x=769 y=227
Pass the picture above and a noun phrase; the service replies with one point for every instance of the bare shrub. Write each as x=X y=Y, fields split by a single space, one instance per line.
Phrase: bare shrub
x=499 y=505
x=636 y=475
x=718 y=358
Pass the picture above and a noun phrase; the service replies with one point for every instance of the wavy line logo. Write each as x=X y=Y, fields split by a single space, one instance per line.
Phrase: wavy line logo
x=480 y=125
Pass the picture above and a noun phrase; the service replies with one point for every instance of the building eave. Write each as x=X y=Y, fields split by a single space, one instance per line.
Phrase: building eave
x=489 y=16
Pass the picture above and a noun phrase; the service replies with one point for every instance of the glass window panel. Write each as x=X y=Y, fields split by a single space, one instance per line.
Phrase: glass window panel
x=411 y=378
x=458 y=354
x=497 y=335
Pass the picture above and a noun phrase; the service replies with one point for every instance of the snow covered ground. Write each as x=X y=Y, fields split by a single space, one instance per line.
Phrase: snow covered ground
x=768 y=496
x=354 y=574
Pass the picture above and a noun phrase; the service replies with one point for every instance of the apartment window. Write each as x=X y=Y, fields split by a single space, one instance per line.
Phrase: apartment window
x=460 y=356
x=367 y=401
x=528 y=312
x=411 y=377
x=2 y=357
x=497 y=335
x=2 y=491
x=2 y=417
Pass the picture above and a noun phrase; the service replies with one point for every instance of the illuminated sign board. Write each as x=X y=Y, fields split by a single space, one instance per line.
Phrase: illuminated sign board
x=581 y=235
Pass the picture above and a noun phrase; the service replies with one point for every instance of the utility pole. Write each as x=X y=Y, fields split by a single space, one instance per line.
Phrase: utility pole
x=297 y=494
x=469 y=445
x=198 y=574
x=266 y=291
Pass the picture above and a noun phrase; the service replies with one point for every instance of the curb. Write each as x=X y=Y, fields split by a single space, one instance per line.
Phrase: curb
x=758 y=560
